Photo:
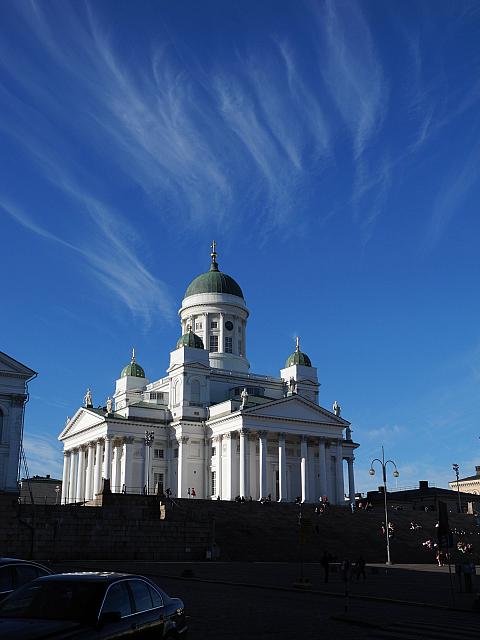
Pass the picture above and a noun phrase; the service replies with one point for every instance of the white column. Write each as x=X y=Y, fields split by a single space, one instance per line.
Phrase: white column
x=252 y=439
x=227 y=480
x=339 y=474
x=243 y=463
x=322 y=461
x=351 y=479
x=304 y=468
x=107 y=468
x=116 y=467
x=262 y=436
x=73 y=476
x=146 y=465
x=89 y=472
x=207 y=332
x=182 y=440
x=219 y=446
x=169 y=458
x=66 y=475
x=222 y=335
x=81 y=475
x=97 y=474
x=126 y=465
x=282 y=468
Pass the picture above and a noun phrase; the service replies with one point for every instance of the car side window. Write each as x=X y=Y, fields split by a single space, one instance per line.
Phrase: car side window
x=141 y=595
x=25 y=573
x=118 y=599
x=156 y=597
x=6 y=580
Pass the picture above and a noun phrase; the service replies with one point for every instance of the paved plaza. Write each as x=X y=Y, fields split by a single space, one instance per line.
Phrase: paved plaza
x=258 y=600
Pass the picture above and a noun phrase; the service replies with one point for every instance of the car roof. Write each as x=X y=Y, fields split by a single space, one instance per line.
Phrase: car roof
x=90 y=576
x=4 y=561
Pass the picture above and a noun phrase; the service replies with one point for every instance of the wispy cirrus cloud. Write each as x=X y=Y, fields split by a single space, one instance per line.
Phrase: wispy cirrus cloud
x=44 y=455
x=118 y=268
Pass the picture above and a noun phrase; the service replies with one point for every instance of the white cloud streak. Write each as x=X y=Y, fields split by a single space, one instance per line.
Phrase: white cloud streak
x=44 y=455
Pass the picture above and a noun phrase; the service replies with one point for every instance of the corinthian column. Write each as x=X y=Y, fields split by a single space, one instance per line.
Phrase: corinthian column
x=108 y=458
x=65 y=476
x=262 y=436
x=351 y=480
x=182 y=440
x=72 y=494
x=322 y=464
x=89 y=472
x=81 y=475
x=282 y=469
x=243 y=463
x=303 y=467
x=339 y=474
x=97 y=474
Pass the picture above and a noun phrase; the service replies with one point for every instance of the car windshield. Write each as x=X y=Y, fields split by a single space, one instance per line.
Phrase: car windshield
x=55 y=600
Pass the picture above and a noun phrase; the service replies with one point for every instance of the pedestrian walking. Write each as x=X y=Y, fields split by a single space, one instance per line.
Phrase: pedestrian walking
x=193 y=492
x=188 y=492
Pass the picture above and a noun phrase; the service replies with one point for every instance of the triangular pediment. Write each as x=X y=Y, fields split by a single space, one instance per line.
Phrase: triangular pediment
x=82 y=420
x=13 y=367
x=297 y=408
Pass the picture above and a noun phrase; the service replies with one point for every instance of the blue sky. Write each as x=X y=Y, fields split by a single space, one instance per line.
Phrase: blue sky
x=331 y=149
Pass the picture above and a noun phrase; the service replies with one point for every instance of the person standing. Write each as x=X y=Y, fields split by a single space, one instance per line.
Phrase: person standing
x=188 y=492
x=193 y=492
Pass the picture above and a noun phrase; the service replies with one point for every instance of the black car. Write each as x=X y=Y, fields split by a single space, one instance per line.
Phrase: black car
x=91 y=605
x=15 y=572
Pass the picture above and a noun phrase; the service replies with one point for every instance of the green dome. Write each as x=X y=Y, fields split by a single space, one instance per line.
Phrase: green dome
x=298 y=357
x=214 y=281
x=133 y=369
x=190 y=339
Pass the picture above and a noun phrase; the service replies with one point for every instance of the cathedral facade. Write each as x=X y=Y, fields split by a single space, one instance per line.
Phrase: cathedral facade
x=210 y=428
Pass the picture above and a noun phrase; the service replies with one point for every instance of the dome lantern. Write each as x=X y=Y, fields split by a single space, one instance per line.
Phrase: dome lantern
x=298 y=357
x=191 y=340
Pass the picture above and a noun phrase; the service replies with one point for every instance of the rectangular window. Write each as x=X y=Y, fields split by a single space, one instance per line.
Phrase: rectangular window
x=158 y=453
x=214 y=483
x=214 y=324
x=175 y=453
x=198 y=325
x=240 y=348
x=228 y=345
x=213 y=343
x=158 y=482
x=153 y=395
x=214 y=451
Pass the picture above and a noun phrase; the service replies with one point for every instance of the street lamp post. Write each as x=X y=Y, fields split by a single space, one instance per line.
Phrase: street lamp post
x=455 y=467
x=383 y=464
x=149 y=436
x=57 y=491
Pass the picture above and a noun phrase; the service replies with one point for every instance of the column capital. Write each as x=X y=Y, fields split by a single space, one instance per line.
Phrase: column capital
x=18 y=400
x=244 y=432
x=262 y=434
x=230 y=435
x=217 y=438
x=128 y=440
x=183 y=439
x=91 y=444
x=281 y=435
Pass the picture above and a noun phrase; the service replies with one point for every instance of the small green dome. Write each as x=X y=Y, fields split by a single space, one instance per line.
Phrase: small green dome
x=214 y=281
x=298 y=357
x=190 y=339
x=133 y=369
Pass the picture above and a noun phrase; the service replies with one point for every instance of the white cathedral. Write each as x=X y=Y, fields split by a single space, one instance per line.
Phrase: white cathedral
x=210 y=428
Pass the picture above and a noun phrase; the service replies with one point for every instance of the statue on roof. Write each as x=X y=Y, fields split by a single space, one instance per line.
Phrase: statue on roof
x=88 y=400
x=292 y=386
x=337 y=409
x=244 y=396
x=109 y=405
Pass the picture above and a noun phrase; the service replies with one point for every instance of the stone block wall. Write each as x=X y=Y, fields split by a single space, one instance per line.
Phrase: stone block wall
x=123 y=527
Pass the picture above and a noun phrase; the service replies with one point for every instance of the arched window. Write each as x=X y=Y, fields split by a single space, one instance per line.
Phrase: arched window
x=176 y=392
x=195 y=390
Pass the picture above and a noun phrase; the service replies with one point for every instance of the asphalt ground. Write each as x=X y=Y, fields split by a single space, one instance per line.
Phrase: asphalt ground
x=263 y=600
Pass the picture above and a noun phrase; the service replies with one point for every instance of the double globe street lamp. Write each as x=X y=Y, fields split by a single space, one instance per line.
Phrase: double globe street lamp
x=384 y=464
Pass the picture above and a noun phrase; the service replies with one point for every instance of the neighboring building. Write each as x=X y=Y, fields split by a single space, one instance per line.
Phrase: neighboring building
x=14 y=377
x=40 y=490
x=471 y=484
x=210 y=424
x=423 y=496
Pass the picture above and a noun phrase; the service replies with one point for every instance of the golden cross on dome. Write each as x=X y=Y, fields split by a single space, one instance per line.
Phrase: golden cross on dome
x=214 y=252
x=133 y=354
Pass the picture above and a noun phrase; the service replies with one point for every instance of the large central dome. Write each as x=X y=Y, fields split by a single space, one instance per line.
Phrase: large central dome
x=214 y=281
